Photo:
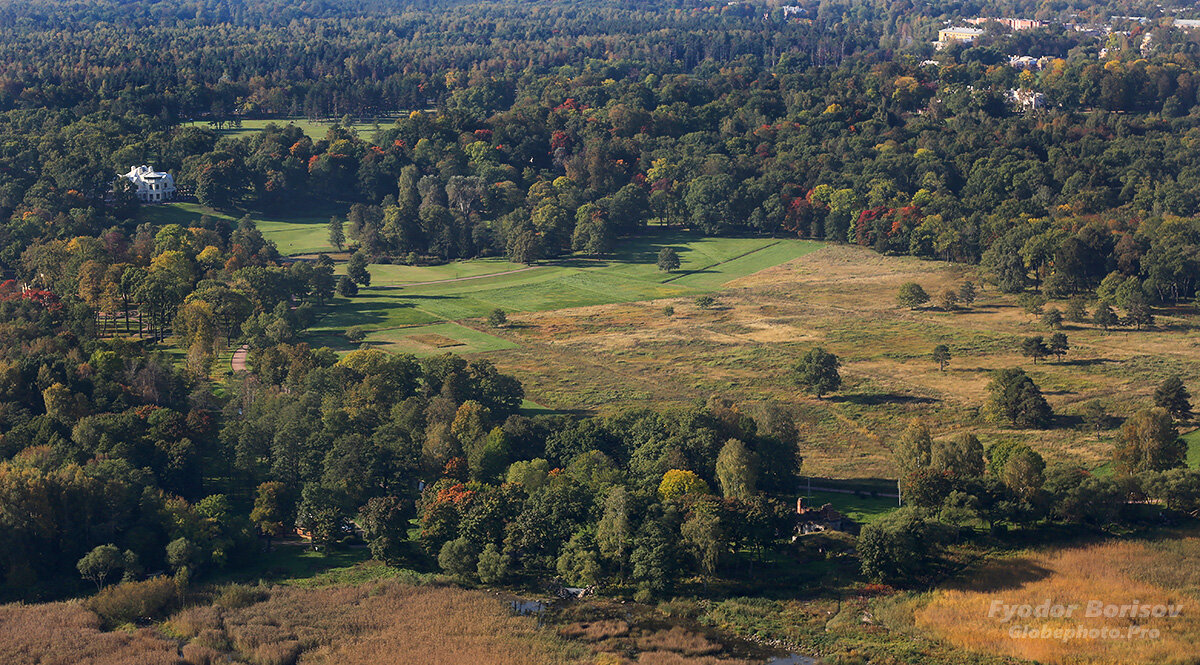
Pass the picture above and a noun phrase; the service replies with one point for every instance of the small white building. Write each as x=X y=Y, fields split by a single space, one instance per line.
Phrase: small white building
x=152 y=186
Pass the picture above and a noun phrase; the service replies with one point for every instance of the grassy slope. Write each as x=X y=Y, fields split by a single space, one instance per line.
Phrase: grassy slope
x=292 y=234
x=1193 y=441
x=628 y=276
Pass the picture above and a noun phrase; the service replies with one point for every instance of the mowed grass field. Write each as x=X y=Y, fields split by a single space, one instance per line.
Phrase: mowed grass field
x=292 y=234
x=1193 y=440
x=406 y=307
x=315 y=129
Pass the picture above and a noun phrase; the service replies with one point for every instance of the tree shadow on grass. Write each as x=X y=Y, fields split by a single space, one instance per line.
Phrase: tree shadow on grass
x=1067 y=421
x=1002 y=575
x=878 y=399
x=1083 y=362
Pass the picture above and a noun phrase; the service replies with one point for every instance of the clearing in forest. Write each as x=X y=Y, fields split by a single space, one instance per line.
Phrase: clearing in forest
x=844 y=298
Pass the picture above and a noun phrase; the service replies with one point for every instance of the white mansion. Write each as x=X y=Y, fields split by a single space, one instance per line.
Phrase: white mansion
x=152 y=186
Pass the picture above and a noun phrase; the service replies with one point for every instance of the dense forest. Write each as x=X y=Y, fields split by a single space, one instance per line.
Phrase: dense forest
x=530 y=130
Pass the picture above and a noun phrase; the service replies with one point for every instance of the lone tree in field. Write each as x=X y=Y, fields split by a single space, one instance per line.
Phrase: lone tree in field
x=1096 y=416
x=1057 y=345
x=1138 y=313
x=668 y=259
x=967 y=294
x=817 y=372
x=1149 y=442
x=1052 y=319
x=1034 y=347
x=705 y=302
x=356 y=269
x=356 y=334
x=497 y=318
x=1077 y=309
x=1173 y=396
x=948 y=300
x=1014 y=397
x=1105 y=317
x=346 y=287
x=97 y=565
x=912 y=295
x=337 y=232
x=1032 y=303
x=941 y=356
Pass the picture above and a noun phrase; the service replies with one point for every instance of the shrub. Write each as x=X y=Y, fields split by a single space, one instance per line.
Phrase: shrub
x=899 y=546
x=277 y=653
x=948 y=300
x=356 y=334
x=705 y=302
x=1077 y=309
x=497 y=318
x=1016 y=398
x=129 y=602
x=198 y=654
x=911 y=295
x=669 y=310
x=237 y=596
x=194 y=621
x=458 y=558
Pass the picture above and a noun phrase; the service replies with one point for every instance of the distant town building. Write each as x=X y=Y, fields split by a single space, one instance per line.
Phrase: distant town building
x=1013 y=24
x=947 y=36
x=151 y=186
x=1187 y=24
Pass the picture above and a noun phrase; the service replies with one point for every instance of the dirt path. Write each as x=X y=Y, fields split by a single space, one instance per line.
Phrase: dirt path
x=456 y=279
x=238 y=361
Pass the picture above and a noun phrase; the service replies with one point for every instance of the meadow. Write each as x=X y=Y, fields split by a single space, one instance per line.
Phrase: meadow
x=591 y=334
x=614 y=356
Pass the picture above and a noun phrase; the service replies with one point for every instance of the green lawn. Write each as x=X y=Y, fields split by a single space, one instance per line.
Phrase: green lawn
x=292 y=234
x=432 y=340
x=1193 y=444
x=313 y=128
x=396 y=274
x=861 y=509
x=394 y=314
x=402 y=296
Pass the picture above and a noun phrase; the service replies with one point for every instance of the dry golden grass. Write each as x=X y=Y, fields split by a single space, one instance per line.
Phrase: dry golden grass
x=1113 y=572
x=644 y=638
x=843 y=298
x=435 y=626
x=434 y=340
x=69 y=634
x=388 y=623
